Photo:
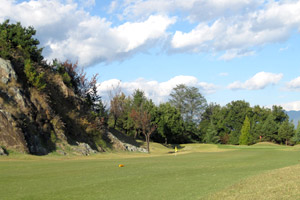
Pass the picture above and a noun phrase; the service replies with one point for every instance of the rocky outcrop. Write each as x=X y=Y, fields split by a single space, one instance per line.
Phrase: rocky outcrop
x=121 y=142
x=19 y=127
x=54 y=119
x=2 y=152
x=10 y=135
x=83 y=149
x=6 y=71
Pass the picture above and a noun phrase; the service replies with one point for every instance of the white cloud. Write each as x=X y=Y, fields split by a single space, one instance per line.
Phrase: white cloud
x=294 y=84
x=235 y=53
x=257 y=82
x=68 y=32
x=194 y=10
x=231 y=28
x=157 y=91
x=239 y=34
x=291 y=106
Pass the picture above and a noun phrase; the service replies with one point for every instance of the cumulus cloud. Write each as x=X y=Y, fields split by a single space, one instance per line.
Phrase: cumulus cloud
x=68 y=32
x=157 y=91
x=291 y=106
x=294 y=84
x=257 y=82
x=238 y=35
x=227 y=28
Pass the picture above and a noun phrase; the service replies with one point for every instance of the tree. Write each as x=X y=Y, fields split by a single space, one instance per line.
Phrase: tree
x=142 y=119
x=245 y=132
x=235 y=113
x=296 y=137
x=170 y=125
x=189 y=101
x=285 y=131
x=269 y=129
x=117 y=107
x=16 y=40
x=211 y=135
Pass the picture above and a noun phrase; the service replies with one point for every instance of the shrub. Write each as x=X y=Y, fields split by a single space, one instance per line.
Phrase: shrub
x=33 y=77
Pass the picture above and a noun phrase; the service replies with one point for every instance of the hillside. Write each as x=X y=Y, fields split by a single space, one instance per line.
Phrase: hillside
x=47 y=107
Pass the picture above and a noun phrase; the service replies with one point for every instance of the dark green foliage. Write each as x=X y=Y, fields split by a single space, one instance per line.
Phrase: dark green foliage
x=296 y=138
x=285 y=132
x=16 y=40
x=211 y=135
x=170 y=125
x=270 y=129
x=245 y=132
x=33 y=77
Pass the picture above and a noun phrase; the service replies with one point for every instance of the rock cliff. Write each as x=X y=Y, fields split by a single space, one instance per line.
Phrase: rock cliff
x=39 y=122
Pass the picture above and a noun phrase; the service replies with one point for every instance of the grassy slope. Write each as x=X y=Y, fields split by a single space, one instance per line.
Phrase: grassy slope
x=161 y=175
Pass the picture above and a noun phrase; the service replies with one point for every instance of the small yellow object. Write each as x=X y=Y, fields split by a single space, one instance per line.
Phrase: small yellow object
x=176 y=149
x=121 y=165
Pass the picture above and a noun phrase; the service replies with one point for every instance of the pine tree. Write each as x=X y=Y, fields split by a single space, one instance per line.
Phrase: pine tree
x=211 y=135
x=296 y=137
x=245 y=132
x=285 y=131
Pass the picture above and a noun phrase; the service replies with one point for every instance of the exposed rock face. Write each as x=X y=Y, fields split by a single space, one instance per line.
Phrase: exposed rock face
x=123 y=143
x=2 y=152
x=11 y=136
x=18 y=115
x=39 y=122
x=6 y=71
x=83 y=149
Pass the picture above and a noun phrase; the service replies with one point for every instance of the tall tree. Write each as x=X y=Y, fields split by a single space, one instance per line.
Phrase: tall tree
x=142 y=119
x=189 y=101
x=170 y=125
x=117 y=107
x=269 y=129
x=296 y=137
x=235 y=113
x=286 y=131
x=211 y=135
x=245 y=132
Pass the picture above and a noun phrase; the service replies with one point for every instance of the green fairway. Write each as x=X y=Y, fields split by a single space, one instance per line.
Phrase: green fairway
x=207 y=171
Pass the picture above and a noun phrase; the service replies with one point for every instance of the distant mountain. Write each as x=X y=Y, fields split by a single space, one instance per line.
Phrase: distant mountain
x=294 y=115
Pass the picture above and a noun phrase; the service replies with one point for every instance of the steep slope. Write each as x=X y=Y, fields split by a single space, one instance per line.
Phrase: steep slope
x=39 y=122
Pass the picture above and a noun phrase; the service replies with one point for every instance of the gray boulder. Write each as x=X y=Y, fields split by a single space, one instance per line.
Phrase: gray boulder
x=6 y=71
x=2 y=152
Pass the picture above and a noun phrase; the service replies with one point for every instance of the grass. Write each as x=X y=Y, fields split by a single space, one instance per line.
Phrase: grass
x=197 y=171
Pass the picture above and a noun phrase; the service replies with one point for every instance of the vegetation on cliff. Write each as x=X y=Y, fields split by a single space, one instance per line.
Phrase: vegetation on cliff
x=54 y=106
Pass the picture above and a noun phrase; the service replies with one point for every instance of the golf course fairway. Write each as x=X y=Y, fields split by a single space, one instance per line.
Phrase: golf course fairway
x=197 y=171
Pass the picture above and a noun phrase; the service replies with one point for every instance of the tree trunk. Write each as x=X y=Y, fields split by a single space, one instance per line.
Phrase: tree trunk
x=115 y=122
x=148 y=142
x=136 y=133
x=286 y=142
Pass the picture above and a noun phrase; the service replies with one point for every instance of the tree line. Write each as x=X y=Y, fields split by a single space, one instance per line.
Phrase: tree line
x=186 y=117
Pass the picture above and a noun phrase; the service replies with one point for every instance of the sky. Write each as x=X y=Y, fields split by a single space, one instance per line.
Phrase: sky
x=229 y=49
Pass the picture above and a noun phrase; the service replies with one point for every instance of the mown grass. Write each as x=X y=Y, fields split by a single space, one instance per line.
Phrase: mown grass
x=195 y=172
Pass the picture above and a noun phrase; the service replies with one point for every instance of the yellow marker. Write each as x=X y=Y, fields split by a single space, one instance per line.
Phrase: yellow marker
x=121 y=165
x=175 y=149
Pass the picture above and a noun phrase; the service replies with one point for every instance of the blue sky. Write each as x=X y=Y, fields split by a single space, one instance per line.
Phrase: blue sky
x=230 y=50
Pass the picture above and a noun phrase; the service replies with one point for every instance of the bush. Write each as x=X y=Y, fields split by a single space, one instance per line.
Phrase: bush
x=33 y=77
